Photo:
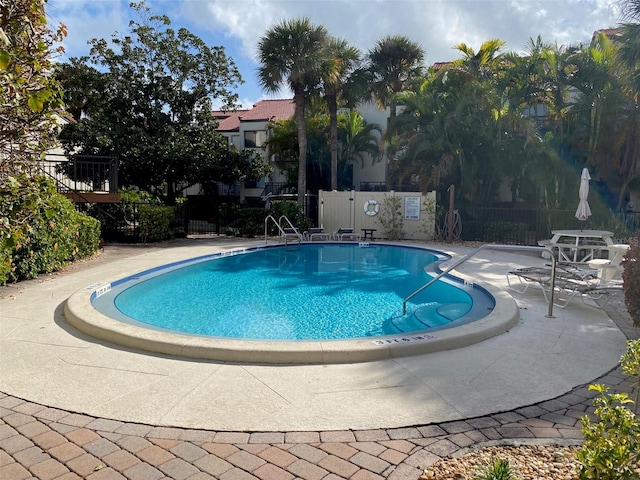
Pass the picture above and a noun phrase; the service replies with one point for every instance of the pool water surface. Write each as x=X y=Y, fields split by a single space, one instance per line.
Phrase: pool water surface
x=309 y=292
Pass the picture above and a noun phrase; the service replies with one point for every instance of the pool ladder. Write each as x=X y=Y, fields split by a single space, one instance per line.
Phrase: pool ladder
x=287 y=232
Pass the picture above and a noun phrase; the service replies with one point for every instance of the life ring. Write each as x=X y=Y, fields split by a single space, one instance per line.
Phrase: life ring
x=371 y=207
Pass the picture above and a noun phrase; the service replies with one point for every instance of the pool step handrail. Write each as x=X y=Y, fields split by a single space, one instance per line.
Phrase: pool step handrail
x=493 y=246
x=281 y=230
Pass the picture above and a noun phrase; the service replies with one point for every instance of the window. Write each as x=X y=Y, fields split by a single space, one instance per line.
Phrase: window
x=254 y=138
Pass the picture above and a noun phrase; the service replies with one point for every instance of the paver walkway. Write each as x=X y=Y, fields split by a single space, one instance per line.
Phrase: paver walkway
x=37 y=441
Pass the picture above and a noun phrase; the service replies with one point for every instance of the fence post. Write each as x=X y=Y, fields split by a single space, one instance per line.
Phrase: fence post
x=452 y=190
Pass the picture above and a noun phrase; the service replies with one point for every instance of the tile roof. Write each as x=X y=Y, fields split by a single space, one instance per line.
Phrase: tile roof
x=229 y=121
x=266 y=110
x=609 y=32
x=263 y=111
x=438 y=65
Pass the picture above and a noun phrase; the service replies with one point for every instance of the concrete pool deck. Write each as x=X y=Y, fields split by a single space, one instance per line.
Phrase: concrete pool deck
x=46 y=361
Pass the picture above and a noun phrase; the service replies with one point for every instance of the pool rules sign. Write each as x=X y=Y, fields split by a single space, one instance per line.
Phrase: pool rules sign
x=412 y=208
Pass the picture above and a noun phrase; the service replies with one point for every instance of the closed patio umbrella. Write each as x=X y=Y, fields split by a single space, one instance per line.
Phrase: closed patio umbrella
x=583 y=212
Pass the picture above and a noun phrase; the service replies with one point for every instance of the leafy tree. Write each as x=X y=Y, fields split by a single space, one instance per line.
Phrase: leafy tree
x=229 y=166
x=283 y=144
x=485 y=64
x=146 y=99
x=596 y=105
x=291 y=54
x=31 y=100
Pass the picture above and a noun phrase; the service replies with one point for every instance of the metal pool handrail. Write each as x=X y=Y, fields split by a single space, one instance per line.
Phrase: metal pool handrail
x=493 y=247
x=278 y=225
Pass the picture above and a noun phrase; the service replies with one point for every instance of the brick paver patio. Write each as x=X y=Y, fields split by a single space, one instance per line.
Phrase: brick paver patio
x=45 y=443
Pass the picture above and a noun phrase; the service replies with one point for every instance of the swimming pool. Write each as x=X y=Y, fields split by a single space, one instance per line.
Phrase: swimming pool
x=253 y=302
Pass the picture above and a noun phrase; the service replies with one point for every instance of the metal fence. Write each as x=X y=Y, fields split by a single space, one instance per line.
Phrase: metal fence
x=82 y=173
x=201 y=215
x=528 y=226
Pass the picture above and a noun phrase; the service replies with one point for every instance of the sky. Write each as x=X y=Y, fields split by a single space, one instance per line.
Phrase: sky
x=436 y=25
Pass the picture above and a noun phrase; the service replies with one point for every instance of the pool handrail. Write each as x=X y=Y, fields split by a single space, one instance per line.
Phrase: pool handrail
x=494 y=246
x=282 y=230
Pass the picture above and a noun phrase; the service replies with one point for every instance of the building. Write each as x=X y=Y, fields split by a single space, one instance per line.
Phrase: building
x=248 y=129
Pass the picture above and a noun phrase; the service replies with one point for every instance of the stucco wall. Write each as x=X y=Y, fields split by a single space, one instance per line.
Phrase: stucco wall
x=347 y=210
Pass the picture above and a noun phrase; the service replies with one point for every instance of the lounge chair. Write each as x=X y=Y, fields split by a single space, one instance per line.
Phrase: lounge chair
x=346 y=234
x=570 y=281
x=291 y=234
x=316 y=234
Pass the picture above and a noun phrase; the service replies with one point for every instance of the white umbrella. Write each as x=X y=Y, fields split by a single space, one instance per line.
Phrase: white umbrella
x=583 y=212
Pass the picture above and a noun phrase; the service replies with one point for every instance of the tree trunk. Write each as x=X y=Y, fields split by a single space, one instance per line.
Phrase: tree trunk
x=302 y=146
x=333 y=129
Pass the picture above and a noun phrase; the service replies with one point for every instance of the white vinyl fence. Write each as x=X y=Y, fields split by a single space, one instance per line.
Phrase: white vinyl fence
x=358 y=210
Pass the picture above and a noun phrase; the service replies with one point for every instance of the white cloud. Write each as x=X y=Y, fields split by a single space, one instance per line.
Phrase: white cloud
x=88 y=19
x=437 y=25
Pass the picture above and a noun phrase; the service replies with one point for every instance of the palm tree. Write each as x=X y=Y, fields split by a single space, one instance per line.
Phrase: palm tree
x=485 y=64
x=395 y=62
x=559 y=70
x=342 y=60
x=359 y=139
x=629 y=56
x=526 y=81
x=291 y=54
x=599 y=94
x=629 y=41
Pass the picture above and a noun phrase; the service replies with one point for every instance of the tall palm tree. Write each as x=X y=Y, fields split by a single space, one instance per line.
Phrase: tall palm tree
x=395 y=62
x=559 y=70
x=629 y=56
x=291 y=54
x=629 y=41
x=599 y=94
x=526 y=81
x=342 y=59
x=485 y=64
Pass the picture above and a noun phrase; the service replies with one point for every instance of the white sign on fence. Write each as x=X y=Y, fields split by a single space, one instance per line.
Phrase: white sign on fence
x=412 y=208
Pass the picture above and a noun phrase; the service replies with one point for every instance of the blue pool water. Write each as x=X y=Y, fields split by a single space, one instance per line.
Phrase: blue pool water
x=307 y=292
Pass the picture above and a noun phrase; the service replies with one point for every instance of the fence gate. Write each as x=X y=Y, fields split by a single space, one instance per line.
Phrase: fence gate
x=354 y=209
x=200 y=215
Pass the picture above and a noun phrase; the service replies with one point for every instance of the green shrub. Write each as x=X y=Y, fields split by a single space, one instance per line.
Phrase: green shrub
x=631 y=282
x=611 y=445
x=57 y=235
x=293 y=212
x=228 y=213
x=154 y=223
x=611 y=449
x=88 y=236
x=249 y=222
x=630 y=363
x=390 y=218
x=5 y=262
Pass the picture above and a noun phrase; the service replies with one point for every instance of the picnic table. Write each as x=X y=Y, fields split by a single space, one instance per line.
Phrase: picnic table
x=580 y=246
